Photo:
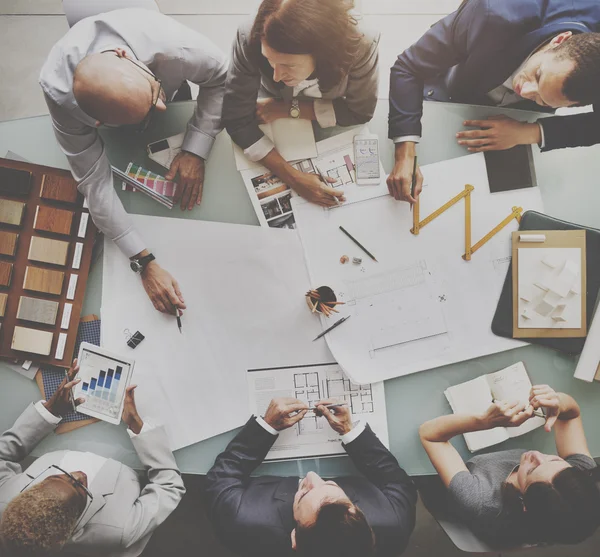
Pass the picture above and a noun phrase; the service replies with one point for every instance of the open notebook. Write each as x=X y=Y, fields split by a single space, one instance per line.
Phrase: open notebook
x=477 y=395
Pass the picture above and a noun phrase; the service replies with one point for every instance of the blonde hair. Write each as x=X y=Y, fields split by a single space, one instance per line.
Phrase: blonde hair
x=38 y=522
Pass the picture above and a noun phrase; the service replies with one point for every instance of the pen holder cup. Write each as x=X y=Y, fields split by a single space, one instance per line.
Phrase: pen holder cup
x=321 y=300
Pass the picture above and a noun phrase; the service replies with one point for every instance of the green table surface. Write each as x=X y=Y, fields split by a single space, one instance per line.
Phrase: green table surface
x=568 y=181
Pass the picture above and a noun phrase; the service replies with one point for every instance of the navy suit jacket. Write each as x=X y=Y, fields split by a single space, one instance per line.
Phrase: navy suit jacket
x=475 y=49
x=253 y=516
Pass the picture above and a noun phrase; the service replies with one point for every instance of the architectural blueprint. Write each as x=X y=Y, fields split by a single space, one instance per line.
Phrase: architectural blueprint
x=312 y=437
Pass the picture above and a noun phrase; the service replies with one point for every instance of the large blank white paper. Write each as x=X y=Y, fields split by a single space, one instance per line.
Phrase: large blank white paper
x=244 y=288
x=457 y=298
x=312 y=437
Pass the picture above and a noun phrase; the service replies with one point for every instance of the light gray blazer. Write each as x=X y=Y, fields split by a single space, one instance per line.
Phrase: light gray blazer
x=354 y=98
x=123 y=515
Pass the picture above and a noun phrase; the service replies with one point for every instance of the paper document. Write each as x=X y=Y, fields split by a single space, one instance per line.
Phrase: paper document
x=293 y=138
x=421 y=305
x=244 y=290
x=312 y=436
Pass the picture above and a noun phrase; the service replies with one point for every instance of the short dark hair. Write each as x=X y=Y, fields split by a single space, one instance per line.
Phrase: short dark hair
x=324 y=29
x=565 y=511
x=582 y=85
x=340 y=530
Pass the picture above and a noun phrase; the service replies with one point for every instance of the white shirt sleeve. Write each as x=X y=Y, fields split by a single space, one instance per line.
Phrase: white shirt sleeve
x=325 y=113
x=358 y=428
x=405 y=138
x=259 y=150
x=145 y=429
x=48 y=416
x=543 y=141
x=266 y=426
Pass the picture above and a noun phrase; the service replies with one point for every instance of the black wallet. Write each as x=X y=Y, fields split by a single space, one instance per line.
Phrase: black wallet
x=502 y=324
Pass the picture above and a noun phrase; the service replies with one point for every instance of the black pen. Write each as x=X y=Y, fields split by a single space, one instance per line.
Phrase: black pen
x=337 y=405
x=71 y=397
x=178 y=317
x=414 y=180
x=338 y=322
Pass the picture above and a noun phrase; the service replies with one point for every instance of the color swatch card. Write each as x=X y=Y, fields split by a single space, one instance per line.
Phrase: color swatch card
x=33 y=341
x=37 y=310
x=50 y=219
x=11 y=212
x=8 y=242
x=154 y=181
x=15 y=182
x=43 y=280
x=47 y=250
x=59 y=188
x=5 y=273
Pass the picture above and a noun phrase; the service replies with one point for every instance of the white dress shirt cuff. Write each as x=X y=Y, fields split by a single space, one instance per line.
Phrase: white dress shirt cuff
x=325 y=113
x=198 y=143
x=404 y=138
x=259 y=150
x=48 y=416
x=145 y=429
x=543 y=141
x=347 y=438
x=266 y=426
x=130 y=243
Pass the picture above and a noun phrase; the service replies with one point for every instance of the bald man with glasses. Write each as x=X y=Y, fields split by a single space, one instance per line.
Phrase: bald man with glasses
x=118 y=69
x=78 y=501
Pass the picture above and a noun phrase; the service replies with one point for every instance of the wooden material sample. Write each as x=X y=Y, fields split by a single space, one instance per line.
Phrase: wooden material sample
x=59 y=188
x=15 y=182
x=11 y=212
x=37 y=310
x=3 y=300
x=32 y=340
x=5 y=273
x=48 y=250
x=8 y=242
x=50 y=219
x=43 y=280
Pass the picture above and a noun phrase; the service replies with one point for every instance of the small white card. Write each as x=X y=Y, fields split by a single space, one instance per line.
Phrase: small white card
x=77 y=255
x=83 y=225
x=66 y=316
x=72 y=287
x=60 y=347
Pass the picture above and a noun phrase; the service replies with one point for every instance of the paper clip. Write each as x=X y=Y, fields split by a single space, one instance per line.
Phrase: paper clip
x=133 y=339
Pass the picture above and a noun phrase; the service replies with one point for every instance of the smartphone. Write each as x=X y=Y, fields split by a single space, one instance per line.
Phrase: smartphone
x=164 y=151
x=366 y=160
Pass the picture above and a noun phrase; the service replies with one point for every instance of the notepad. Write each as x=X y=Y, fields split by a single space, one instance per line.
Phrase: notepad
x=3 y=300
x=43 y=280
x=11 y=212
x=32 y=340
x=477 y=395
x=37 y=310
x=48 y=250
x=8 y=242
x=50 y=219
x=15 y=182
x=5 y=273
x=59 y=188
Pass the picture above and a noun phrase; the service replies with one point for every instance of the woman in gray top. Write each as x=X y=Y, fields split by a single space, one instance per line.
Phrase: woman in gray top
x=305 y=59
x=518 y=496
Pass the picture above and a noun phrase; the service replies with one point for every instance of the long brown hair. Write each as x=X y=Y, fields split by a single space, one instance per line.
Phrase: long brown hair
x=325 y=29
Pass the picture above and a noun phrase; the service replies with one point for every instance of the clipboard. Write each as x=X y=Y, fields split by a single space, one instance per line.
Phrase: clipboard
x=553 y=239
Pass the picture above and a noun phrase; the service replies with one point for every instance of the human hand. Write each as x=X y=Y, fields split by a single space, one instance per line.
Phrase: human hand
x=314 y=190
x=399 y=181
x=278 y=412
x=543 y=396
x=60 y=403
x=268 y=110
x=507 y=414
x=339 y=418
x=498 y=133
x=190 y=169
x=130 y=414
x=162 y=289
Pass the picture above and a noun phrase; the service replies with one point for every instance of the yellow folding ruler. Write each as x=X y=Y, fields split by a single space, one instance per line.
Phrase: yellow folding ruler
x=466 y=195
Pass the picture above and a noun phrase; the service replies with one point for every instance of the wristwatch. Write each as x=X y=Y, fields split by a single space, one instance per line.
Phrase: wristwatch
x=295 y=109
x=140 y=263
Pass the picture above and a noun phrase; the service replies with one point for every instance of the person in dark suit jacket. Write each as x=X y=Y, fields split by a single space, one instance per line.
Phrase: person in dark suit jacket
x=275 y=516
x=527 y=54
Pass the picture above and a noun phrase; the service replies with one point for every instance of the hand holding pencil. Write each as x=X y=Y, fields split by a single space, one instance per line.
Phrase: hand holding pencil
x=338 y=416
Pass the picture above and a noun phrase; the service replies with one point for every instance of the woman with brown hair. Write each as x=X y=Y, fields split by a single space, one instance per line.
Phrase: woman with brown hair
x=299 y=59
x=517 y=497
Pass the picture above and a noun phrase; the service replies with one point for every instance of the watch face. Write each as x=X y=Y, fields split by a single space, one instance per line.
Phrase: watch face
x=135 y=266
x=294 y=112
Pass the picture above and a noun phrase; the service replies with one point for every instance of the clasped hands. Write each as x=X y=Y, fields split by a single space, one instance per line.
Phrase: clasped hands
x=285 y=412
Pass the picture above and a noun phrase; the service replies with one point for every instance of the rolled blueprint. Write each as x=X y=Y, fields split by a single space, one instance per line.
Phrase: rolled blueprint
x=532 y=237
x=587 y=367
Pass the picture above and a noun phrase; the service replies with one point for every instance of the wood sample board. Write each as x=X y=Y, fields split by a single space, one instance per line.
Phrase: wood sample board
x=554 y=239
x=50 y=191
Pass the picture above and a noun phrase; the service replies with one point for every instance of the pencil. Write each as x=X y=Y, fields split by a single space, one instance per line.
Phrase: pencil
x=337 y=405
x=414 y=180
x=336 y=324
x=178 y=317
x=358 y=244
x=326 y=183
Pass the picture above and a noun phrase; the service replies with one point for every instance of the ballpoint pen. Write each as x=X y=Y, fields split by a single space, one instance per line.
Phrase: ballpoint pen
x=336 y=324
x=178 y=317
x=71 y=397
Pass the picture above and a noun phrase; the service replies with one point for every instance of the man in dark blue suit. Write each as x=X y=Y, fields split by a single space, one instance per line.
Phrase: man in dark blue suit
x=268 y=516
x=527 y=54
